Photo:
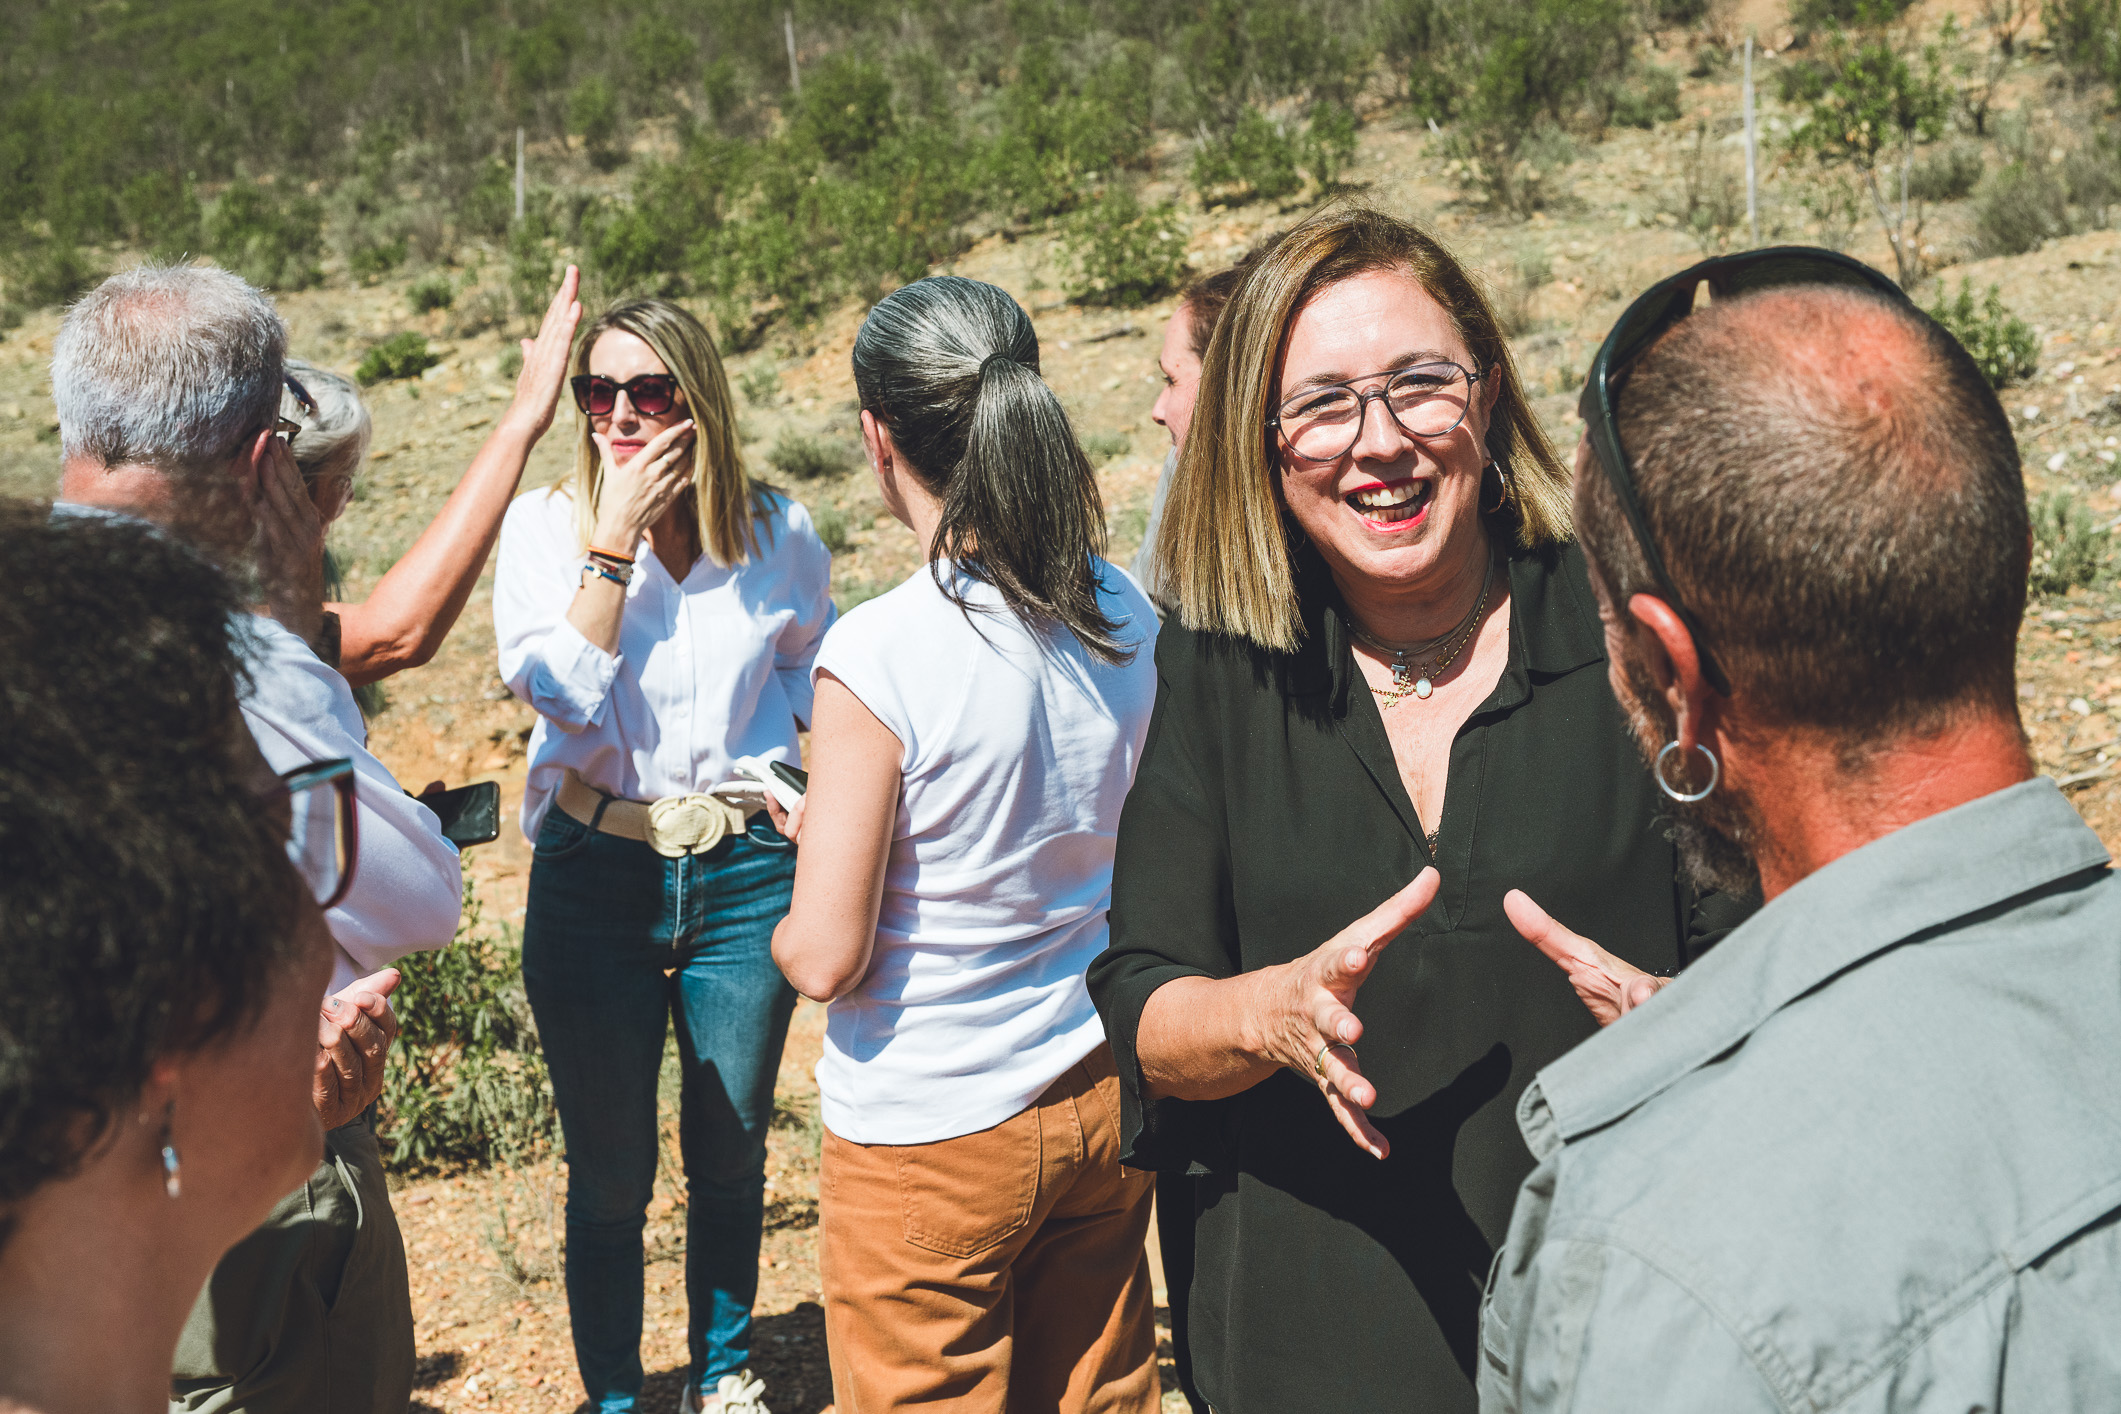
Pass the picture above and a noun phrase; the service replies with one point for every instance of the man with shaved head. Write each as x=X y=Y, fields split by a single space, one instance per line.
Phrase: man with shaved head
x=1866 y=1154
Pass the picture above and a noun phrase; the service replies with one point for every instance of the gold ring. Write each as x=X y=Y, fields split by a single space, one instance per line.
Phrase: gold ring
x=1320 y=1063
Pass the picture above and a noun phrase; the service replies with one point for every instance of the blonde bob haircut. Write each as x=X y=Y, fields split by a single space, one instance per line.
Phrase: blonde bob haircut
x=1227 y=544
x=727 y=503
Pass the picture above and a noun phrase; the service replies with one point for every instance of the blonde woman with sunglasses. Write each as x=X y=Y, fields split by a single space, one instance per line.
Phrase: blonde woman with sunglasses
x=660 y=610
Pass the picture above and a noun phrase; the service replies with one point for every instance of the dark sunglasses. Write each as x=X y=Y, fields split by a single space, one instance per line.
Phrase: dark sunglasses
x=652 y=394
x=1658 y=309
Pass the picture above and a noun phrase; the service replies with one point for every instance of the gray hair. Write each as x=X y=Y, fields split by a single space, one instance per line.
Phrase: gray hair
x=950 y=365
x=167 y=366
x=334 y=439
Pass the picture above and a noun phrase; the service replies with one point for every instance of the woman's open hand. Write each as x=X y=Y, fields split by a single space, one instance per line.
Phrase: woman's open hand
x=1311 y=1026
x=545 y=361
x=1610 y=986
x=635 y=495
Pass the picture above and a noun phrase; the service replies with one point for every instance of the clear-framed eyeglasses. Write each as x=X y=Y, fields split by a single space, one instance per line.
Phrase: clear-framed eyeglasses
x=1427 y=400
x=322 y=840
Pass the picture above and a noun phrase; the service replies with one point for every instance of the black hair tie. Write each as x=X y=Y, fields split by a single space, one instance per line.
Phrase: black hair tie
x=990 y=360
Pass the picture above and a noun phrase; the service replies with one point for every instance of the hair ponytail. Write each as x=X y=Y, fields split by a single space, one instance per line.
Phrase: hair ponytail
x=950 y=365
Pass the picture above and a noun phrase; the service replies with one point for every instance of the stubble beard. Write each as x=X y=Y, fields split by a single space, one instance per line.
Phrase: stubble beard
x=1710 y=835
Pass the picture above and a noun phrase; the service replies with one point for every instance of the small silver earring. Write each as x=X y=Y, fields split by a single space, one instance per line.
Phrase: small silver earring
x=172 y=1166
x=1715 y=774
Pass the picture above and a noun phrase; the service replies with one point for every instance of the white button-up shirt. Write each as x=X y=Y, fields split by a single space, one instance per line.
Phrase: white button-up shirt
x=708 y=669
x=408 y=884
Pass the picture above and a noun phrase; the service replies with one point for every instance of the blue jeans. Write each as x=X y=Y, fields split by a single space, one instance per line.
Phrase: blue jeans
x=615 y=938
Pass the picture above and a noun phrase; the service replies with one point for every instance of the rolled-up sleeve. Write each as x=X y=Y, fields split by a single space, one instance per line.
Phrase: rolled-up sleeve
x=545 y=660
x=1173 y=913
x=408 y=883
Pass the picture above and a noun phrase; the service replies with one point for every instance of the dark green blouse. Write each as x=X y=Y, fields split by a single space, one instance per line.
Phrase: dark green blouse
x=1267 y=815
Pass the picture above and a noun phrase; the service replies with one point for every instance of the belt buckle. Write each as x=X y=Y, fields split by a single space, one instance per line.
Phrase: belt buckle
x=679 y=825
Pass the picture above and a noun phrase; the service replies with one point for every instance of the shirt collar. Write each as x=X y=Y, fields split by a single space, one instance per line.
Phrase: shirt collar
x=1554 y=626
x=1918 y=877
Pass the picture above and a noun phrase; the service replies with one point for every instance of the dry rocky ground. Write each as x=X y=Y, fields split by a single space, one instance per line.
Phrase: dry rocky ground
x=492 y=1314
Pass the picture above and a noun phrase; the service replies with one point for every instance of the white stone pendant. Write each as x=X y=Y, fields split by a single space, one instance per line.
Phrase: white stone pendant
x=1422 y=688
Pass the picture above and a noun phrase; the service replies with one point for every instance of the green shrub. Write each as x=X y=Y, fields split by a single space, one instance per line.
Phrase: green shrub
x=510 y=363
x=2001 y=344
x=2086 y=35
x=1123 y=253
x=42 y=271
x=593 y=116
x=1800 y=82
x=2092 y=174
x=160 y=212
x=761 y=385
x=370 y=263
x=1946 y=174
x=2067 y=545
x=832 y=528
x=808 y=458
x=490 y=203
x=1807 y=16
x=1104 y=446
x=431 y=292
x=2020 y=205
x=1328 y=145
x=1255 y=158
x=845 y=109
x=1650 y=100
x=272 y=243
x=467 y=1082
x=404 y=355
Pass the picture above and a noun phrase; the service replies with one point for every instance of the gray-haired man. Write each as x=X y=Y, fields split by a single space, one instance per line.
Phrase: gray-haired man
x=168 y=386
x=1865 y=1155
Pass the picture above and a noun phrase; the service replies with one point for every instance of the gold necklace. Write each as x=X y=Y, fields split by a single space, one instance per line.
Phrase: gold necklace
x=1405 y=683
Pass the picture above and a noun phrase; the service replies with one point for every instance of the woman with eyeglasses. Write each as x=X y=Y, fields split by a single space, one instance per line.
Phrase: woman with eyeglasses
x=163 y=1083
x=1383 y=705
x=660 y=611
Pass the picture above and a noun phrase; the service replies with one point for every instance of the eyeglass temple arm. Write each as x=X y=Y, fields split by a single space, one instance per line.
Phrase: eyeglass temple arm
x=1605 y=447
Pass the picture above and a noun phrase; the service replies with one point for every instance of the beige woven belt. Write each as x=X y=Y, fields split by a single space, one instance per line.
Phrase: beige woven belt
x=675 y=826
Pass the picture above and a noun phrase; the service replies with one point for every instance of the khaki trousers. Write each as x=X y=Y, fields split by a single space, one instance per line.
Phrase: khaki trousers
x=1001 y=1272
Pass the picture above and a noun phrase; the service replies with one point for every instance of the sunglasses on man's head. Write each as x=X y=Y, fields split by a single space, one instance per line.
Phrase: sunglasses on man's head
x=1658 y=309
x=652 y=394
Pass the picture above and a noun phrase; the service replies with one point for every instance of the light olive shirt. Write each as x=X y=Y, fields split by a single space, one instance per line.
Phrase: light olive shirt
x=1863 y=1156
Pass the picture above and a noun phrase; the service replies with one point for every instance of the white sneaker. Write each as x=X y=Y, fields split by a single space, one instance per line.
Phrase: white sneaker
x=734 y=1394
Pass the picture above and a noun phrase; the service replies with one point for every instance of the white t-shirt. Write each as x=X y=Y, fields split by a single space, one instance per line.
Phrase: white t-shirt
x=408 y=884
x=1018 y=751
x=710 y=669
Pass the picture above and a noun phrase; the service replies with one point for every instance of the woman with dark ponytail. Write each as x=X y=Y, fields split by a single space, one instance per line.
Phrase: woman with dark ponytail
x=976 y=730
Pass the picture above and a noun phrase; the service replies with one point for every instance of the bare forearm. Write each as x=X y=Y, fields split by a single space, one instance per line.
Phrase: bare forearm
x=598 y=606
x=1196 y=1042
x=413 y=607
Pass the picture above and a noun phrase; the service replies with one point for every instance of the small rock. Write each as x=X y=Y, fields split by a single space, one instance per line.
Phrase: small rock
x=2030 y=412
x=2080 y=706
x=2055 y=462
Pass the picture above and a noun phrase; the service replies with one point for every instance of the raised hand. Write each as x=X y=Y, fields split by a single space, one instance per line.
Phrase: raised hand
x=1610 y=986
x=290 y=539
x=1311 y=1026
x=545 y=360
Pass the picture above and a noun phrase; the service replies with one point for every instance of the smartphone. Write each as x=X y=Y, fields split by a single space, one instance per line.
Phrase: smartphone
x=794 y=777
x=470 y=814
